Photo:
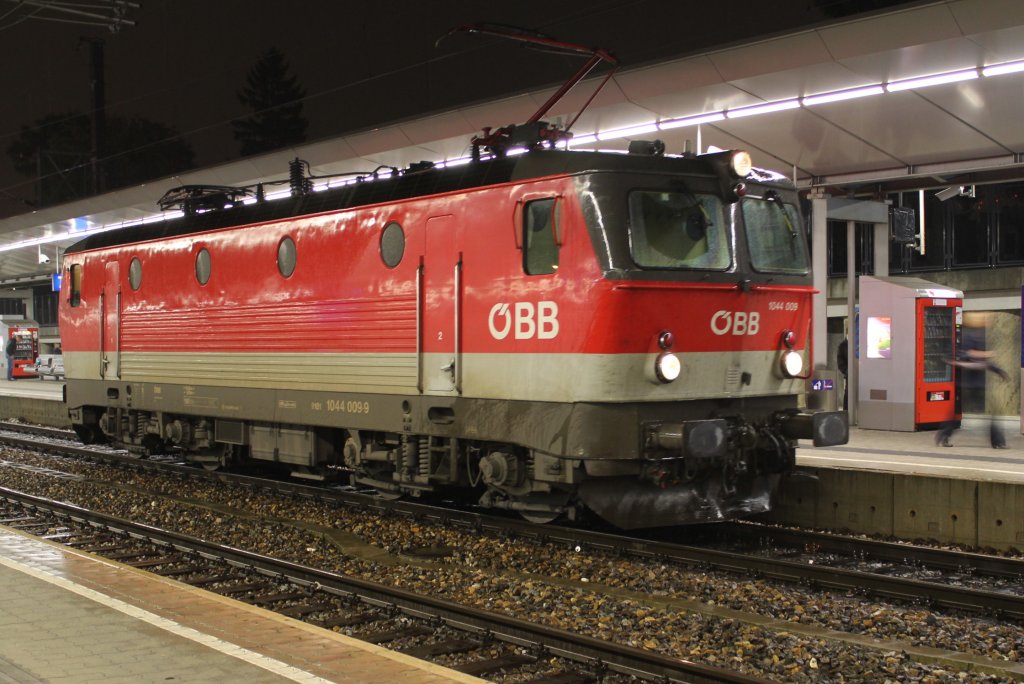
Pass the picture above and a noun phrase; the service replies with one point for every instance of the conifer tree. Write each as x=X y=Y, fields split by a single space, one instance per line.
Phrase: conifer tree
x=275 y=98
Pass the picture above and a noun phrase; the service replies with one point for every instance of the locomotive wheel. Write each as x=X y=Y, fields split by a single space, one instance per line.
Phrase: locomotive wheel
x=89 y=434
x=542 y=509
x=152 y=445
x=539 y=517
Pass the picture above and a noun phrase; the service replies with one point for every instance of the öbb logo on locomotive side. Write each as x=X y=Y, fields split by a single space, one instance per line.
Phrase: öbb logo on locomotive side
x=528 y=321
x=736 y=322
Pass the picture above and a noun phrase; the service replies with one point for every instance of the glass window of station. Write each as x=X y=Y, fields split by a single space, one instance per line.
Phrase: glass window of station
x=962 y=232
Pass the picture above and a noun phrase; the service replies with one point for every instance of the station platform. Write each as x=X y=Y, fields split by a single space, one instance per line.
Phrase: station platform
x=904 y=485
x=68 y=616
x=34 y=401
x=970 y=457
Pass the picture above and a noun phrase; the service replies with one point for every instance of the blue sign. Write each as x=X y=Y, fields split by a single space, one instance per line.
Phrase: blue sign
x=821 y=384
x=55 y=281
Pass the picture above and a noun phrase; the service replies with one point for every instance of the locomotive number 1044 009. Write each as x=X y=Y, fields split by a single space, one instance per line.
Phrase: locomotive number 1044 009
x=783 y=306
x=342 y=406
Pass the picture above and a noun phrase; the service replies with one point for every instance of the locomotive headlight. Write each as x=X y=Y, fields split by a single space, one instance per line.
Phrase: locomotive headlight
x=667 y=367
x=792 y=363
x=740 y=163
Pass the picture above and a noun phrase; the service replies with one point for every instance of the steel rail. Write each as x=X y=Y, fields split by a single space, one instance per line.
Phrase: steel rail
x=873 y=549
x=822 y=576
x=578 y=647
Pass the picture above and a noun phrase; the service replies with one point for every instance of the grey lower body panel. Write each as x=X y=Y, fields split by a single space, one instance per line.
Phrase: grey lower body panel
x=602 y=431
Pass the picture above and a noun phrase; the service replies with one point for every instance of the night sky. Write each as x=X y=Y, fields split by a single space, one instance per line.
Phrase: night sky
x=361 y=64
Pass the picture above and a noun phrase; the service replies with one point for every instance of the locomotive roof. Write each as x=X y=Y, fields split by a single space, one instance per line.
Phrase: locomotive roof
x=409 y=184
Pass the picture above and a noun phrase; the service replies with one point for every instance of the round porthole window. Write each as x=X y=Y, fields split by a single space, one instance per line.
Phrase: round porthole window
x=392 y=244
x=135 y=274
x=286 y=256
x=203 y=266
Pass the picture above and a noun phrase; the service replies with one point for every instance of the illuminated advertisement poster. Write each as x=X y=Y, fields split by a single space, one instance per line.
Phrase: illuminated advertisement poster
x=879 y=333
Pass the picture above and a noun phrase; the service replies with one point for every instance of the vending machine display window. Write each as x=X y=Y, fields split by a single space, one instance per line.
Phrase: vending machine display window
x=938 y=344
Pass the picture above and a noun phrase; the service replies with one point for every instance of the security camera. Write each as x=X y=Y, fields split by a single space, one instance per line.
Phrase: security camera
x=955 y=191
x=43 y=259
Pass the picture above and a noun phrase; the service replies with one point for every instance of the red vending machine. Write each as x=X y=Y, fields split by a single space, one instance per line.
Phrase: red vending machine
x=908 y=333
x=938 y=320
x=26 y=345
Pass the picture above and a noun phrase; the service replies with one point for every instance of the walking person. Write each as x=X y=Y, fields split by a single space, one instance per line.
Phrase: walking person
x=974 y=363
x=10 y=349
x=843 y=364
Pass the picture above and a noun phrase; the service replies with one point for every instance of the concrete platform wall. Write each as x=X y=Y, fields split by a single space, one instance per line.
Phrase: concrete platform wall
x=37 y=411
x=912 y=507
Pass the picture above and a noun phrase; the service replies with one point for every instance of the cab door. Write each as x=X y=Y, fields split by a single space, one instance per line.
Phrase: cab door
x=442 y=307
x=110 y=323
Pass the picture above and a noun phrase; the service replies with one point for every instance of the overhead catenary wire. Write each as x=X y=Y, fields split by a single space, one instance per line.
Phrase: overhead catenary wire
x=113 y=18
x=218 y=74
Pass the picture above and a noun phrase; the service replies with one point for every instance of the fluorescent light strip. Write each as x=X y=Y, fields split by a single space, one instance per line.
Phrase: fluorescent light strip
x=666 y=124
x=639 y=129
x=1004 y=68
x=76 y=234
x=690 y=120
x=166 y=216
x=840 y=95
x=43 y=240
x=937 y=79
x=582 y=139
x=762 y=109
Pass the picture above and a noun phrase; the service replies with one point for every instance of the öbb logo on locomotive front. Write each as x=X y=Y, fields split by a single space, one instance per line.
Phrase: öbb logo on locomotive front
x=529 y=321
x=736 y=322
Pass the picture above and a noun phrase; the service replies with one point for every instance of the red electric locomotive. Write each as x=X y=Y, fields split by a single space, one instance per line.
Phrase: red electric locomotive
x=542 y=331
x=545 y=332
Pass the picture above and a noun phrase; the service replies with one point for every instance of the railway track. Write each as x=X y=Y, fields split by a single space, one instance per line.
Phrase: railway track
x=941 y=578
x=422 y=627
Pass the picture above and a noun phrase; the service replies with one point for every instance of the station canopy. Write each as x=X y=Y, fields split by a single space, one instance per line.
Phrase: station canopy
x=930 y=96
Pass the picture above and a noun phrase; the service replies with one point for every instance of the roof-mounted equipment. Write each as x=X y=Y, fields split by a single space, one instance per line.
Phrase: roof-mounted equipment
x=535 y=133
x=199 y=199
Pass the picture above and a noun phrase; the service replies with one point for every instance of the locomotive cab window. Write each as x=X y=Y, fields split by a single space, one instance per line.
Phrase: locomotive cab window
x=774 y=235
x=75 y=295
x=677 y=230
x=540 y=236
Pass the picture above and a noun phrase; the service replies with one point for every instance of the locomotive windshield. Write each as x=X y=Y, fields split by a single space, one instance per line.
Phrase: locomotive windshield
x=773 y=235
x=677 y=230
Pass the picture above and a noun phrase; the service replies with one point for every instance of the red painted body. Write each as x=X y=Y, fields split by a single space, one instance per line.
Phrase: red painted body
x=342 y=298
